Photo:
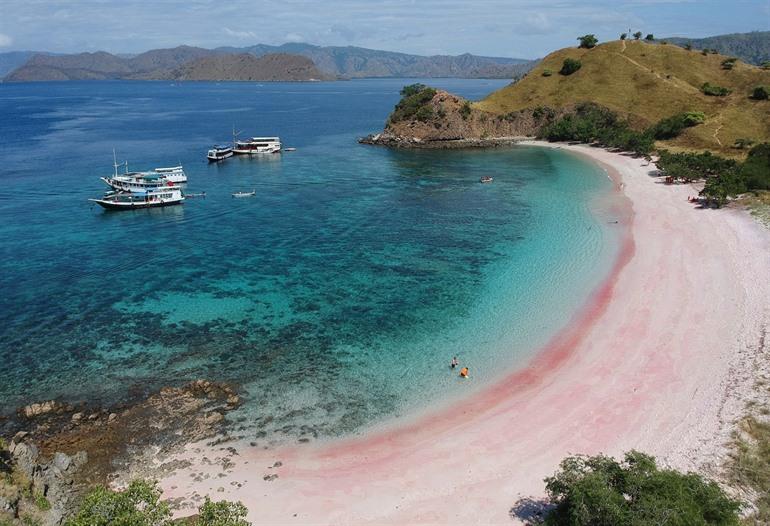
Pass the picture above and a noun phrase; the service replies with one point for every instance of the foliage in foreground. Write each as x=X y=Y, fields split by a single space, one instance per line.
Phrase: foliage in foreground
x=750 y=466
x=140 y=505
x=724 y=177
x=600 y=491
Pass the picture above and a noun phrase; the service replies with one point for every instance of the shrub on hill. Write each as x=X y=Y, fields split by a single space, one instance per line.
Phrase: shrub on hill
x=765 y=64
x=547 y=72
x=140 y=505
x=714 y=91
x=465 y=110
x=593 y=123
x=742 y=143
x=413 y=103
x=650 y=37
x=729 y=63
x=756 y=170
x=673 y=126
x=599 y=490
x=637 y=35
x=570 y=66
x=623 y=36
x=588 y=41
x=761 y=93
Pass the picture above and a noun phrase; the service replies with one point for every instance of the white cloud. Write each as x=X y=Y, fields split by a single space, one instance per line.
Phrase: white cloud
x=294 y=37
x=241 y=34
x=5 y=40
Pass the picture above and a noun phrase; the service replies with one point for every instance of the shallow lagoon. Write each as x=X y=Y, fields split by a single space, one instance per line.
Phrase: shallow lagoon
x=335 y=298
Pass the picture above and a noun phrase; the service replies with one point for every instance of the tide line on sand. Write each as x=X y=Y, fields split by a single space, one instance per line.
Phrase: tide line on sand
x=646 y=364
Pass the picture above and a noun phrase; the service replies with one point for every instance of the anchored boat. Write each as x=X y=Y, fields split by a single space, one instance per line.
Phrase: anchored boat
x=219 y=153
x=258 y=145
x=154 y=197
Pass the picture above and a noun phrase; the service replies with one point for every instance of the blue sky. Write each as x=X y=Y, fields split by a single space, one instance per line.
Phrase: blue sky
x=512 y=28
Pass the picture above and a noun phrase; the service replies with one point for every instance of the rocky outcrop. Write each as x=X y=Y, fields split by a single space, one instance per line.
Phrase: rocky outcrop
x=447 y=121
x=37 y=489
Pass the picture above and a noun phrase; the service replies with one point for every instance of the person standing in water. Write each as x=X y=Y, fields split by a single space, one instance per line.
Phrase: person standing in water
x=454 y=363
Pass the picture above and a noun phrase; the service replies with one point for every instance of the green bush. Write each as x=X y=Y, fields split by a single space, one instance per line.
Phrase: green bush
x=41 y=502
x=650 y=37
x=465 y=110
x=729 y=63
x=588 y=41
x=765 y=64
x=414 y=98
x=570 y=66
x=673 y=126
x=637 y=35
x=623 y=36
x=547 y=72
x=756 y=170
x=742 y=143
x=761 y=93
x=600 y=491
x=222 y=513
x=714 y=91
x=140 y=505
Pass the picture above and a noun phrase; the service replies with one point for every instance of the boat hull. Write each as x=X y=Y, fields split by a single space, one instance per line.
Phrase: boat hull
x=110 y=205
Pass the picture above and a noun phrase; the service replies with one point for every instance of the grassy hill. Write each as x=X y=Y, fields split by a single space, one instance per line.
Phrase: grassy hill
x=647 y=82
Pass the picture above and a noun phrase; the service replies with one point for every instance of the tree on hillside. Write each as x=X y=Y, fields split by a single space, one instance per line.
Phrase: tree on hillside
x=623 y=36
x=637 y=35
x=761 y=93
x=688 y=46
x=599 y=490
x=650 y=37
x=588 y=41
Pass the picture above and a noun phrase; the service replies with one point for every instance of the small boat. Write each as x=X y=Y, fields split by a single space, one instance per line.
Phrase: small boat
x=486 y=179
x=290 y=149
x=257 y=145
x=199 y=194
x=219 y=153
x=150 y=198
x=245 y=194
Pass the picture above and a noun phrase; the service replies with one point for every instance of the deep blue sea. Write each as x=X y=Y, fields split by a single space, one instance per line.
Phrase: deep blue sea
x=335 y=298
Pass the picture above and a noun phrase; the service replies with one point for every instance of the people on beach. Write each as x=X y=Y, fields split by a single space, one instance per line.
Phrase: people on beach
x=464 y=372
x=455 y=362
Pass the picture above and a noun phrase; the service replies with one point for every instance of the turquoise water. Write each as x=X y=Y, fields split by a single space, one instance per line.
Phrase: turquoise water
x=335 y=298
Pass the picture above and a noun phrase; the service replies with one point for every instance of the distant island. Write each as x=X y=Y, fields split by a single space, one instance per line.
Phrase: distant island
x=331 y=62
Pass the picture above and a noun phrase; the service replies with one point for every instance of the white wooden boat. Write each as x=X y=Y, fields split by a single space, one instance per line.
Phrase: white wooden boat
x=219 y=153
x=257 y=145
x=151 y=198
x=245 y=194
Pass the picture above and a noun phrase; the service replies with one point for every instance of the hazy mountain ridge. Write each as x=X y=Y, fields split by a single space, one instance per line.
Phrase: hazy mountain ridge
x=753 y=47
x=246 y=67
x=349 y=62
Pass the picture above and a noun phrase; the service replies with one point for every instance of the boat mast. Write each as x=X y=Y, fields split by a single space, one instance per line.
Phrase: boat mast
x=115 y=162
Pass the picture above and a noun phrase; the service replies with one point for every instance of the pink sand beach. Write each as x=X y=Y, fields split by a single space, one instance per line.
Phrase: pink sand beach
x=661 y=359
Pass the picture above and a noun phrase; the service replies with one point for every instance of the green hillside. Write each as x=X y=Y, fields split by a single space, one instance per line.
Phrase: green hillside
x=647 y=82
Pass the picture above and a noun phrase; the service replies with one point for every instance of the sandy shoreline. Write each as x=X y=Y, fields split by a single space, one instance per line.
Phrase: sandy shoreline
x=659 y=360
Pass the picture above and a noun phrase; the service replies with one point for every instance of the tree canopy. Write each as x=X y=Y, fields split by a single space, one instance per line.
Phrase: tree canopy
x=570 y=66
x=601 y=491
x=588 y=41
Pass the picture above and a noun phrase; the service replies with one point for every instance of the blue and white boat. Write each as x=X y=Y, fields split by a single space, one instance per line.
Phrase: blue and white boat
x=150 y=198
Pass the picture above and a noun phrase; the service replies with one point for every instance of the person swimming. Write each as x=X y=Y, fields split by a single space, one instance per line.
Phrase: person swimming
x=464 y=372
x=455 y=362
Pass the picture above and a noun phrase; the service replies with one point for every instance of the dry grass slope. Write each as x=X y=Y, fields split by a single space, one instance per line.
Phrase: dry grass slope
x=647 y=82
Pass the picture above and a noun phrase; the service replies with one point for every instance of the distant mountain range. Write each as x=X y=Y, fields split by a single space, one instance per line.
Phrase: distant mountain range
x=244 y=67
x=753 y=47
x=332 y=62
